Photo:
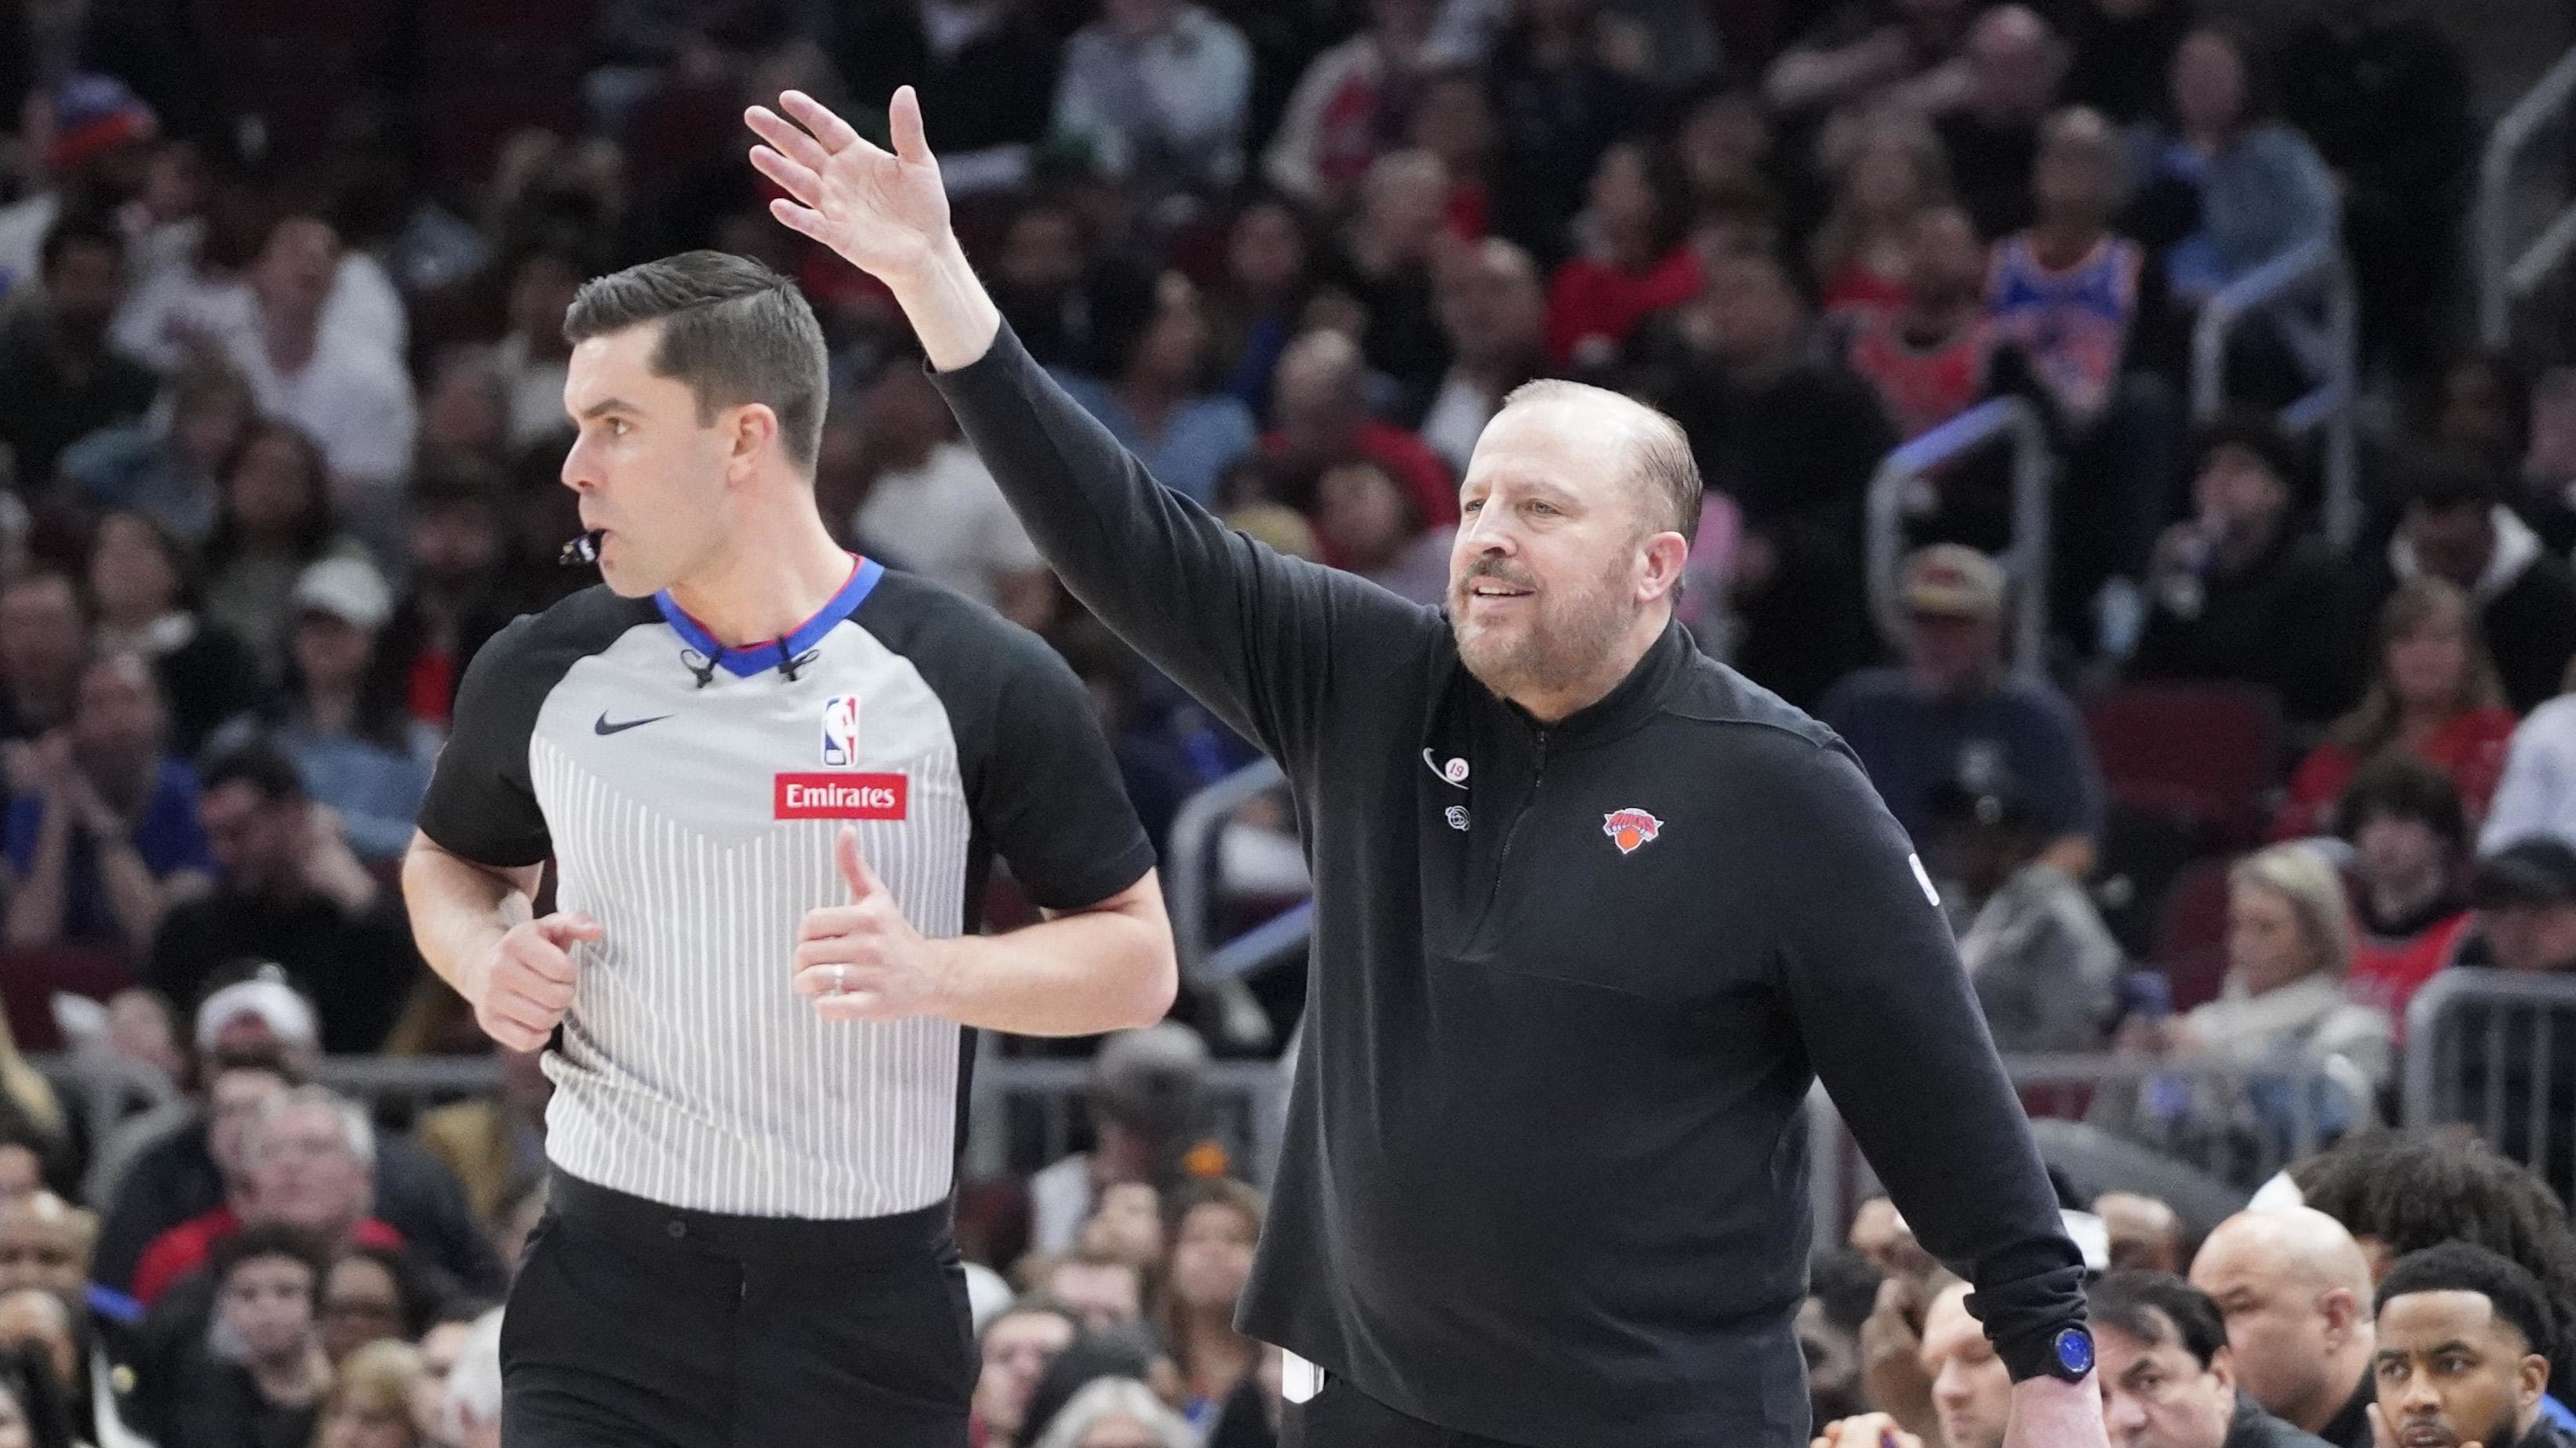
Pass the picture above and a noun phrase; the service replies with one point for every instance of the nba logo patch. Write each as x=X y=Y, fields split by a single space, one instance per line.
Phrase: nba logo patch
x=841 y=730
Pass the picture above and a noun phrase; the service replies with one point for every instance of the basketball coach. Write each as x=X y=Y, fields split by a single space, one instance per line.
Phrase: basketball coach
x=1592 y=912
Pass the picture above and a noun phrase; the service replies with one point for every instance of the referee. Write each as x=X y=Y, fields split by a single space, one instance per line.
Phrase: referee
x=771 y=777
x=1592 y=912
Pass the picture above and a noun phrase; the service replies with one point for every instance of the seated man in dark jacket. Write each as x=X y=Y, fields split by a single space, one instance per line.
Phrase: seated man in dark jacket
x=2240 y=592
x=2456 y=527
x=289 y=890
x=2167 y=1374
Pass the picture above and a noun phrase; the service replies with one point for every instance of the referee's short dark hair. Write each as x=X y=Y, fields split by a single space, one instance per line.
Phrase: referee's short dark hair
x=2463 y=1267
x=2157 y=1308
x=732 y=329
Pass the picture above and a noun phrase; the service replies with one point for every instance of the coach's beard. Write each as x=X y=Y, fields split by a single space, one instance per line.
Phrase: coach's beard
x=1554 y=644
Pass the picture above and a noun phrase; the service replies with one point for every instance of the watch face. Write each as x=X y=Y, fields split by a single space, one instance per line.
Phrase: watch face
x=2075 y=1352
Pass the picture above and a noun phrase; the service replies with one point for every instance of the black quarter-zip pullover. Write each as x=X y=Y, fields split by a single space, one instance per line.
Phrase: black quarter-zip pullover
x=1546 y=1169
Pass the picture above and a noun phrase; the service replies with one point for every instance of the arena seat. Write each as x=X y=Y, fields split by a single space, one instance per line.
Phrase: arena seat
x=2142 y=851
x=2202 y=754
x=2191 y=932
x=295 y=64
x=31 y=975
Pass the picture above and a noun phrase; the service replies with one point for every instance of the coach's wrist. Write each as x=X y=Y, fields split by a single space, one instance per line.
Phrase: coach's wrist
x=950 y=311
x=2049 y=1412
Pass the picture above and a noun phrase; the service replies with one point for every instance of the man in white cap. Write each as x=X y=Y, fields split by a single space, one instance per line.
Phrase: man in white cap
x=351 y=739
x=255 y=1040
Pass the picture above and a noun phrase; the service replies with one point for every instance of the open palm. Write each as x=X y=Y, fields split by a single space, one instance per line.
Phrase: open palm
x=885 y=213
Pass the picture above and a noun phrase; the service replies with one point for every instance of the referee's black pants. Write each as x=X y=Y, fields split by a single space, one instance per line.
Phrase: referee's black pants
x=636 y=1325
x=1341 y=1416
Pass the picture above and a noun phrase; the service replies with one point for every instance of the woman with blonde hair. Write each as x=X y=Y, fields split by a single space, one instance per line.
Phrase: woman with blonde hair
x=2289 y=941
x=369 y=1405
x=2433 y=694
x=32 y=1105
x=2287 y=1058
x=1886 y=166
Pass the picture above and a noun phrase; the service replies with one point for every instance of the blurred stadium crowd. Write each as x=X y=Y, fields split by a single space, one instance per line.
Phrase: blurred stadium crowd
x=281 y=290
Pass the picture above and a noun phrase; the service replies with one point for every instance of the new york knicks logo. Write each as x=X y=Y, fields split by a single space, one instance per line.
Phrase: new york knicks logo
x=841 y=730
x=1631 y=829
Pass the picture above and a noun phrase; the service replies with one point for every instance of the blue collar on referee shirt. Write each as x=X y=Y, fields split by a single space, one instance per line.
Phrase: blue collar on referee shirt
x=747 y=660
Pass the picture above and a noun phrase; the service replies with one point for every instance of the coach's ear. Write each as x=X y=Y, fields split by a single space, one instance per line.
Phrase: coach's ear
x=751 y=429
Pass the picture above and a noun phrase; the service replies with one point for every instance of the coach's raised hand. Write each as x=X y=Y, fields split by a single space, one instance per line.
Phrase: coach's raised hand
x=524 y=987
x=885 y=212
x=863 y=961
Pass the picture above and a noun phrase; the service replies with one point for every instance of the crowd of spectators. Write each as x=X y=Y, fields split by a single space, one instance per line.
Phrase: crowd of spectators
x=2416 y=1276
x=280 y=424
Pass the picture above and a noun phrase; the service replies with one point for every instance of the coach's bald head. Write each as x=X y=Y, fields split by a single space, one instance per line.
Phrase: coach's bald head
x=1575 y=518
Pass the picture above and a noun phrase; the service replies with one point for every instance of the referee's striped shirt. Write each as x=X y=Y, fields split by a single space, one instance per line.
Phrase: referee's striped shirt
x=689 y=793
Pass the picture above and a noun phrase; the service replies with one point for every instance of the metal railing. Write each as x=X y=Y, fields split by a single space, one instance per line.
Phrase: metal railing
x=2496 y=1051
x=2247 y=1121
x=1248 y=1099
x=103 y=1088
x=1264 y=945
x=2504 y=279
x=1247 y=1115
x=1025 y=1112
x=1190 y=889
x=1188 y=883
x=2333 y=404
x=1903 y=489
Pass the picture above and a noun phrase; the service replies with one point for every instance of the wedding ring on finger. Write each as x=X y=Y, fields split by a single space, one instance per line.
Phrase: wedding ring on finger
x=840 y=980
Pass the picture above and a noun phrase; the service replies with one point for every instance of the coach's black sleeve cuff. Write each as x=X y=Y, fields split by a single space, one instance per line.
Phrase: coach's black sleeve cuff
x=2023 y=1318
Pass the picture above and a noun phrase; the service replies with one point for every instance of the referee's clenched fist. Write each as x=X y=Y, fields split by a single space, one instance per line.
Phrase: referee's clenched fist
x=863 y=961
x=523 y=988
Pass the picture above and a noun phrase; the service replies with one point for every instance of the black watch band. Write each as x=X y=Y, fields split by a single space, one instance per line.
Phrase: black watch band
x=2064 y=1352
x=2070 y=1355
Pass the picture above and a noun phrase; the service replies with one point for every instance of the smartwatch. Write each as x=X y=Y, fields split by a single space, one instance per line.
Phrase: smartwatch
x=2070 y=1355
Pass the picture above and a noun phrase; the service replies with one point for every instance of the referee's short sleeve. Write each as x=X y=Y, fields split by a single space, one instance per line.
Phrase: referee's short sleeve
x=481 y=805
x=1049 y=797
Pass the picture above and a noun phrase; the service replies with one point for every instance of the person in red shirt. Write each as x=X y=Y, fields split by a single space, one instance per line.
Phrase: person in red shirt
x=1319 y=408
x=1634 y=262
x=1455 y=122
x=1930 y=357
x=311 y=1159
x=2409 y=838
x=2433 y=695
x=1888 y=168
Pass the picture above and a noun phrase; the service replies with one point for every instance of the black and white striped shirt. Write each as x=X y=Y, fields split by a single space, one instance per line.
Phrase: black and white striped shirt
x=688 y=795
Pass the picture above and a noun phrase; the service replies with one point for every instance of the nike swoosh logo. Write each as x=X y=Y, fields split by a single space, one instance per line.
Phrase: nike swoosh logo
x=603 y=727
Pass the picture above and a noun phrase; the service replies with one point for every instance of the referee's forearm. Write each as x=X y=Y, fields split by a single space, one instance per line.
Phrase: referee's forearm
x=1104 y=969
x=459 y=911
